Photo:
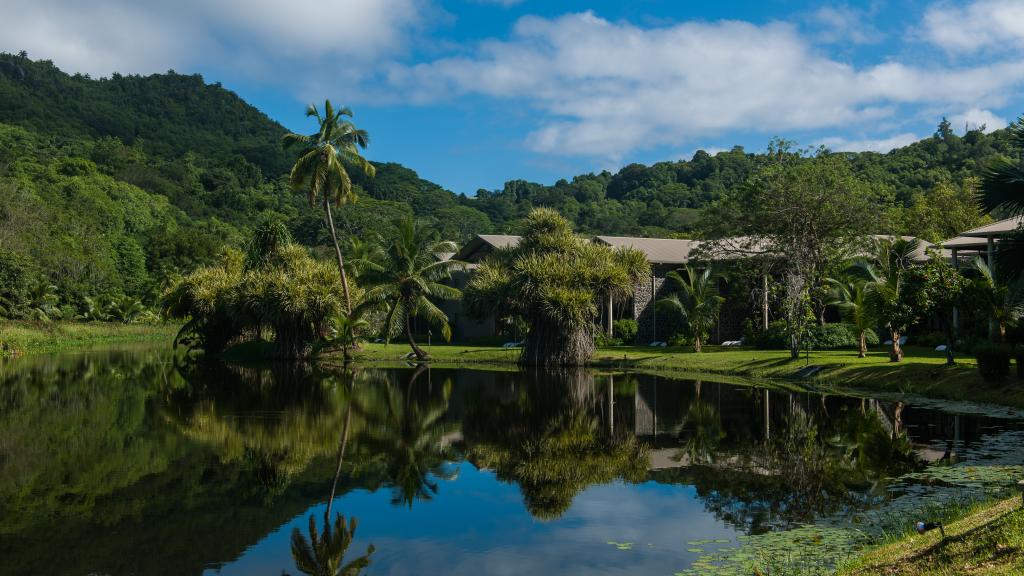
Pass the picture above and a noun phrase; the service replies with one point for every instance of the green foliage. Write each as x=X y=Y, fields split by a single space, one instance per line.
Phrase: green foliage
x=408 y=279
x=839 y=336
x=283 y=290
x=695 y=299
x=625 y=329
x=993 y=361
x=555 y=281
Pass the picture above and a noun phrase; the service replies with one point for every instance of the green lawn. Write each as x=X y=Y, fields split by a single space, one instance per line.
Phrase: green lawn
x=38 y=337
x=989 y=541
x=923 y=371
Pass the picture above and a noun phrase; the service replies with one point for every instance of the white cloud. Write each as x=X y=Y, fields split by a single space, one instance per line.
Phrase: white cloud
x=146 y=36
x=842 y=24
x=885 y=144
x=604 y=88
x=972 y=26
x=976 y=118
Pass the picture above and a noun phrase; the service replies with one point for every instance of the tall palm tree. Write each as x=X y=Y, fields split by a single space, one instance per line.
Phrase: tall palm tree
x=321 y=170
x=850 y=297
x=323 y=554
x=410 y=275
x=696 y=299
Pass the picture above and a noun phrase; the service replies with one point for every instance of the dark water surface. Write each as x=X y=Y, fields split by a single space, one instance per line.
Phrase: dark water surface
x=122 y=462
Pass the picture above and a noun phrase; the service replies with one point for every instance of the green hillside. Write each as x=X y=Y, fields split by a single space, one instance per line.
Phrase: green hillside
x=110 y=188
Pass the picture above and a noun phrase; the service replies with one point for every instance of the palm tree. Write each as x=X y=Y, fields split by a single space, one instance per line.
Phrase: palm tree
x=696 y=299
x=886 y=277
x=321 y=169
x=1005 y=303
x=411 y=273
x=850 y=297
x=1002 y=188
x=323 y=554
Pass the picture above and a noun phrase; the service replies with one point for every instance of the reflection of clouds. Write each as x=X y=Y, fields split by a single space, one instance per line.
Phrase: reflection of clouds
x=479 y=525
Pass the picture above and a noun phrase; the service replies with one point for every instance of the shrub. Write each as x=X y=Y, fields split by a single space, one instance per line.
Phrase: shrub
x=625 y=330
x=601 y=340
x=993 y=361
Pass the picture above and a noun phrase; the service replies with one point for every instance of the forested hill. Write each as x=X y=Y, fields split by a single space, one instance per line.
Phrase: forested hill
x=113 y=186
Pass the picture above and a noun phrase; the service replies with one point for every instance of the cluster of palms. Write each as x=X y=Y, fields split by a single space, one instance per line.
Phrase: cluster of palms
x=695 y=298
x=403 y=275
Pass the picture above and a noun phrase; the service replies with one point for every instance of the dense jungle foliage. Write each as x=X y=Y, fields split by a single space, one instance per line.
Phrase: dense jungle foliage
x=112 y=188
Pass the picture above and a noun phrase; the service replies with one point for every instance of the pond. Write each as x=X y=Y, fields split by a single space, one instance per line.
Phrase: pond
x=128 y=461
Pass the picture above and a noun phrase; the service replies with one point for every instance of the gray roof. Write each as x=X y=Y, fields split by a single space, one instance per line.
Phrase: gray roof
x=1000 y=228
x=484 y=244
x=966 y=243
x=923 y=246
x=657 y=250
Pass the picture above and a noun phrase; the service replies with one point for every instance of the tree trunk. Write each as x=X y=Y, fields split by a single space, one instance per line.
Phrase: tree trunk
x=341 y=449
x=551 y=344
x=420 y=354
x=794 y=346
x=341 y=270
x=696 y=343
x=863 y=353
x=896 y=352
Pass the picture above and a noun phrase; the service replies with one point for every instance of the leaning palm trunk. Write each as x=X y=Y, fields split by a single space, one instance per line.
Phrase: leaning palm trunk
x=863 y=339
x=344 y=277
x=420 y=354
x=551 y=344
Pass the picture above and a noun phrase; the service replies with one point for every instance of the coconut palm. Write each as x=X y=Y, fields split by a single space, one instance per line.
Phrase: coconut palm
x=1005 y=303
x=410 y=275
x=323 y=554
x=696 y=299
x=850 y=297
x=321 y=170
x=887 y=276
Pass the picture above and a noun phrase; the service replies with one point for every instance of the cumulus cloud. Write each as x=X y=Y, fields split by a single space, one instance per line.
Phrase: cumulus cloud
x=976 y=25
x=976 y=118
x=606 y=88
x=144 y=36
x=884 y=144
x=843 y=24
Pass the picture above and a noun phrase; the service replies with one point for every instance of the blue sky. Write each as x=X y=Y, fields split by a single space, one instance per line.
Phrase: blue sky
x=471 y=93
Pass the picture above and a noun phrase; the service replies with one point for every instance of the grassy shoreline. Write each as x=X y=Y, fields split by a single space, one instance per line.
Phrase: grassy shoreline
x=923 y=372
x=22 y=338
x=989 y=540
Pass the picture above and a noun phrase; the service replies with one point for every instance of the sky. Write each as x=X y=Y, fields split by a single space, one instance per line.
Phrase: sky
x=472 y=93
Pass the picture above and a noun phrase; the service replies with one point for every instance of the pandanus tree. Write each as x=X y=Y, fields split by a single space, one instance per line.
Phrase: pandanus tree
x=555 y=281
x=408 y=279
x=849 y=295
x=321 y=170
x=695 y=298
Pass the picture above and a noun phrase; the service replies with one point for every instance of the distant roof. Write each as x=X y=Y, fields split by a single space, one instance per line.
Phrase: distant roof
x=1000 y=228
x=923 y=246
x=484 y=244
x=657 y=250
x=965 y=243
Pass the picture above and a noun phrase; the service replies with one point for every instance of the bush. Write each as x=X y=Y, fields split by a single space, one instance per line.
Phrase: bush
x=680 y=340
x=827 y=337
x=602 y=340
x=993 y=361
x=625 y=330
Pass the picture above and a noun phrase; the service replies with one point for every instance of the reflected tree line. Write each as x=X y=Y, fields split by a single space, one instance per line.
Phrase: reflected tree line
x=118 y=425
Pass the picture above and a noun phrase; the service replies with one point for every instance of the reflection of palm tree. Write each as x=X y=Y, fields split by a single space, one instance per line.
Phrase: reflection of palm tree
x=407 y=430
x=323 y=554
x=704 y=431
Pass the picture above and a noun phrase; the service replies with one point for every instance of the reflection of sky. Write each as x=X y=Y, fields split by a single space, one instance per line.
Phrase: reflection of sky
x=478 y=525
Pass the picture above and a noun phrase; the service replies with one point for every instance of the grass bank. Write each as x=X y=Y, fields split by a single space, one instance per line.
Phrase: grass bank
x=36 y=337
x=989 y=540
x=922 y=372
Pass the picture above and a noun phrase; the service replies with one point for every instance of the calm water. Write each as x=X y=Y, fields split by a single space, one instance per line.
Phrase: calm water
x=122 y=462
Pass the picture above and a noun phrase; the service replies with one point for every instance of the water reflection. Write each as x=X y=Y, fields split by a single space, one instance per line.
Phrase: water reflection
x=128 y=463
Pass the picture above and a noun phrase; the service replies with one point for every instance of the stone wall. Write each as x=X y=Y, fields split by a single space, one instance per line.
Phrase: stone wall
x=646 y=293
